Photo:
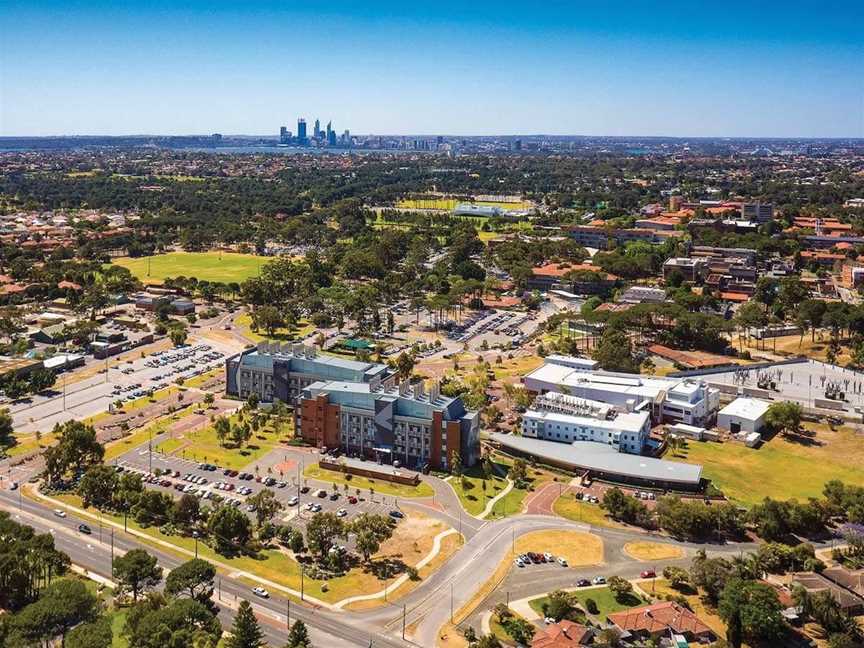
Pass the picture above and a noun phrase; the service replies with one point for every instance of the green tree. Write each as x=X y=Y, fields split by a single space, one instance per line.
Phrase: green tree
x=784 y=416
x=370 y=531
x=620 y=587
x=6 y=427
x=757 y=608
x=194 y=579
x=266 y=504
x=615 y=353
x=97 y=486
x=222 y=428
x=298 y=636
x=77 y=447
x=137 y=571
x=230 y=529
x=322 y=532
x=63 y=605
x=96 y=634
x=245 y=632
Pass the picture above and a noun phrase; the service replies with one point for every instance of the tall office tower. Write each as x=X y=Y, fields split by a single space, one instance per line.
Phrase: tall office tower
x=346 y=137
x=283 y=135
x=301 y=132
x=316 y=133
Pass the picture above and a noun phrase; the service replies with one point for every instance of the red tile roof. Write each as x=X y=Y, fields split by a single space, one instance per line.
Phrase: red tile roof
x=564 y=634
x=659 y=618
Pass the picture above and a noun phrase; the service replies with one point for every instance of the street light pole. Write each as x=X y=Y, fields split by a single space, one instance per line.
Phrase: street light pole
x=302 y=575
x=403 y=622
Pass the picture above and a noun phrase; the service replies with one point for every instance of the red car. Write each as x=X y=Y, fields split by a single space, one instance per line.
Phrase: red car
x=648 y=573
x=352 y=500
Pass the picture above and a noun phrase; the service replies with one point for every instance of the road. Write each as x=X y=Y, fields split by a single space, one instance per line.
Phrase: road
x=328 y=629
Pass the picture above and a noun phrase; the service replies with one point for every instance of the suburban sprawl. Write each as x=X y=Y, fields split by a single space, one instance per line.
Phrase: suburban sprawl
x=323 y=389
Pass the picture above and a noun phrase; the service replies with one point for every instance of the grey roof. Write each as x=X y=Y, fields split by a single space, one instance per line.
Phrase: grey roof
x=603 y=458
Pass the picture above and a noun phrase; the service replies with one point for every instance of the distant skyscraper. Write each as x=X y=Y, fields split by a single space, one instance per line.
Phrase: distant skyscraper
x=284 y=135
x=331 y=134
x=301 y=131
x=316 y=133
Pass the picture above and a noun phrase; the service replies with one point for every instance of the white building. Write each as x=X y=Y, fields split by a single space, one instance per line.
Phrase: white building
x=669 y=400
x=558 y=417
x=743 y=415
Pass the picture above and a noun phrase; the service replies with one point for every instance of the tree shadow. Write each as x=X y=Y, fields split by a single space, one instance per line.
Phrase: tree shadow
x=385 y=568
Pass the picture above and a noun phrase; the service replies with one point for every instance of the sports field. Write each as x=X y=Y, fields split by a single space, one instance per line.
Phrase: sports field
x=209 y=266
x=450 y=204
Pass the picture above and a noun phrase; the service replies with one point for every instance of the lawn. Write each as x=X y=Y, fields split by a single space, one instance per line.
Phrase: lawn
x=411 y=542
x=203 y=445
x=469 y=488
x=647 y=551
x=117 y=448
x=210 y=266
x=576 y=547
x=244 y=321
x=512 y=502
x=781 y=468
x=606 y=601
x=314 y=471
x=569 y=507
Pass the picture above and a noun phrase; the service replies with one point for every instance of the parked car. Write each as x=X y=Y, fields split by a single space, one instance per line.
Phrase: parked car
x=598 y=580
x=397 y=514
x=583 y=582
x=341 y=513
x=562 y=561
x=648 y=573
x=293 y=501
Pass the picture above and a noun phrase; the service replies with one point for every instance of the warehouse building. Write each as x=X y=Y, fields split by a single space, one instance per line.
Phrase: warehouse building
x=743 y=415
x=283 y=371
x=403 y=423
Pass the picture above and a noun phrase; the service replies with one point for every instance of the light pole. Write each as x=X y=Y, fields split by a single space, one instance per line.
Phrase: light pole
x=195 y=535
x=302 y=575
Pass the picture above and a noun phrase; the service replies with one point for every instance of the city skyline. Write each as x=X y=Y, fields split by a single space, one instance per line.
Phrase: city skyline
x=619 y=70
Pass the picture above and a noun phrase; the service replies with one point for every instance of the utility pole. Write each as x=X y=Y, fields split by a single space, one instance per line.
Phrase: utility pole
x=302 y=574
x=403 y=622
x=451 y=601
x=219 y=588
x=288 y=616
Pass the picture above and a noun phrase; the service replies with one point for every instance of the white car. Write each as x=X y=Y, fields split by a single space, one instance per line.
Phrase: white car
x=549 y=557
x=341 y=513
x=60 y=513
x=518 y=562
x=598 y=580
x=293 y=501
x=562 y=562
x=260 y=591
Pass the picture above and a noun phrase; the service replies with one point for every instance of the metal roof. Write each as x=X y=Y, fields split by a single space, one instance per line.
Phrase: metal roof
x=604 y=458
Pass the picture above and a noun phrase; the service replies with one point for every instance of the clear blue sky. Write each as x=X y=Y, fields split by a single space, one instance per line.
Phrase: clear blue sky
x=754 y=68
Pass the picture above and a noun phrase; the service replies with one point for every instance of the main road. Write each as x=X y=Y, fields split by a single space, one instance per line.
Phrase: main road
x=426 y=608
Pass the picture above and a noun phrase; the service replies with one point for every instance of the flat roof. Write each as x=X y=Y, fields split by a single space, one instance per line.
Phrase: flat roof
x=623 y=421
x=746 y=408
x=603 y=458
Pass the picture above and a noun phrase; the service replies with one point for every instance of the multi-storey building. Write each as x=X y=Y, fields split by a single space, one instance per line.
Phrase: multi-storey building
x=401 y=423
x=282 y=372
x=559 y=417
x=676 y=400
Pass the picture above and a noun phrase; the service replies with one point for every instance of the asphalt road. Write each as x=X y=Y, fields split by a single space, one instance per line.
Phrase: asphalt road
x=327 y=628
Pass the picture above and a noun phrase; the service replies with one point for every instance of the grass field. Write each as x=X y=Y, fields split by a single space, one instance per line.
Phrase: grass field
x=781 y=468
x=575 y=547
x=203 y=445
x=450 y=203
x=470 y=491
x=606 y=601
x=210 y=266
x=569 y=507
x=644 y=550
x=314 y=471
x=244 y=321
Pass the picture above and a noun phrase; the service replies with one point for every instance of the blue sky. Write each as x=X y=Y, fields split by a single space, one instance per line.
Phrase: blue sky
x=758 y=68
